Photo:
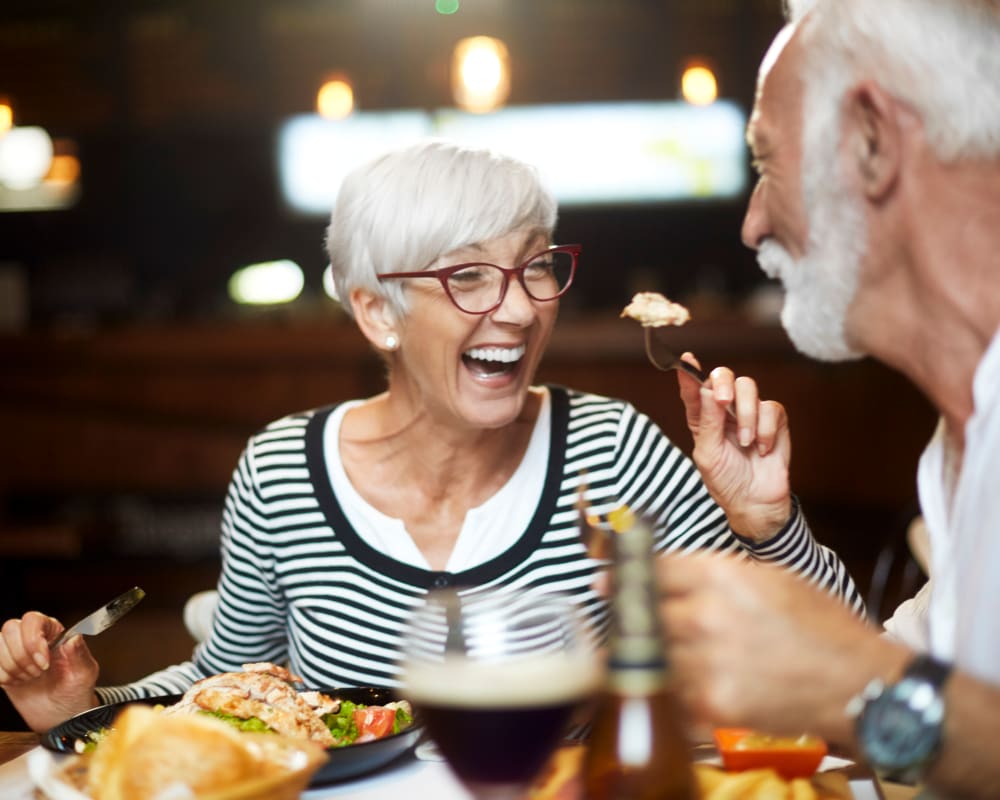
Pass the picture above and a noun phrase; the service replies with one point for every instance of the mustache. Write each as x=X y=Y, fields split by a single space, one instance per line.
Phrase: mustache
x=774 y=260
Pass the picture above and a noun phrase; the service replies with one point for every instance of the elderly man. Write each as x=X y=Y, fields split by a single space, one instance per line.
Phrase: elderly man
x=876 y=134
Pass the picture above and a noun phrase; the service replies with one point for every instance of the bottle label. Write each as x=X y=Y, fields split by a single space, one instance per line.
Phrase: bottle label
x=633 y=681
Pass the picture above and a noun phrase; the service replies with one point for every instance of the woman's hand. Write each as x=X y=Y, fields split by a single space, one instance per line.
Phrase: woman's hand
x=46 y=686
x=744 y=459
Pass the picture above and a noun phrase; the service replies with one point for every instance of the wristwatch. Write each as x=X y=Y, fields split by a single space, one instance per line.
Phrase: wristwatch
x=899 y=727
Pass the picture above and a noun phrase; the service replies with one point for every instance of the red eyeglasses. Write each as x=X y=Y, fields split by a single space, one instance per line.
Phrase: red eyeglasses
x=479 y=288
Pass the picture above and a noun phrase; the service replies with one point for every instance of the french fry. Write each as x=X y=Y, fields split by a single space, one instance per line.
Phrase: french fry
x=772 y=787
x=715 y=783
x=832 y=786
x=802 y=789
x=740 y=785
x=709 y=778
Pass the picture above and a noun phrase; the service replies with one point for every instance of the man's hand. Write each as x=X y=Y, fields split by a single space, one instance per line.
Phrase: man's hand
x=756 y=646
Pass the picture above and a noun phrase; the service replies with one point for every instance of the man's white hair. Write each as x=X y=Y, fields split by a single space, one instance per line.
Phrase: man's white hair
x=942 y=57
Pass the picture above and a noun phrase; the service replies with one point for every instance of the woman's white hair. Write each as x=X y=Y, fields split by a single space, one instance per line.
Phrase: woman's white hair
x=940 y=56
x=405 y=209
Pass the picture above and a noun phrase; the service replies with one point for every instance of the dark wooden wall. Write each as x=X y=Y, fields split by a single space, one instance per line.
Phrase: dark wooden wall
x=162 y=413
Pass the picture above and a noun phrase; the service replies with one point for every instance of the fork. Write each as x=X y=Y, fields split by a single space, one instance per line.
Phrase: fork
x=668 y=361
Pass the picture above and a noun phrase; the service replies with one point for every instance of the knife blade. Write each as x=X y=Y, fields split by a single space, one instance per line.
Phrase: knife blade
x=104 y=617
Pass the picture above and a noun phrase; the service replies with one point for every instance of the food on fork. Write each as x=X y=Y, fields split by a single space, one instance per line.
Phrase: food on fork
x=653 y=310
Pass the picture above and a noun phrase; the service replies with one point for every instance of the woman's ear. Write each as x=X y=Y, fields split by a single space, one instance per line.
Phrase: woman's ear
x=875 y=138
x=376 y=319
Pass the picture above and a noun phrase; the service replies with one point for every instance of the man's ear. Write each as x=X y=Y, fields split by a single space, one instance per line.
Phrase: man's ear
x=375 y=318
x=874 y=138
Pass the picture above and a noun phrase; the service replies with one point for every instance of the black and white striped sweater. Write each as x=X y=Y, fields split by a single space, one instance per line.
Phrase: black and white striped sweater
x=299 y=585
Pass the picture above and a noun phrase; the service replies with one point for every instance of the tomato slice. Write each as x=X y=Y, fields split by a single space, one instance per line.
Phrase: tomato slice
x=374 y=722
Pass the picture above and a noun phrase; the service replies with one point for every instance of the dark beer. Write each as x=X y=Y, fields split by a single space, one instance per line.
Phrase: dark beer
x=497 y=723
x=496 y=745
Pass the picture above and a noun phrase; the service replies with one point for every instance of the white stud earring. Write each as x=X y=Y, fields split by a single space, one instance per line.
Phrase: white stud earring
x=391 y=342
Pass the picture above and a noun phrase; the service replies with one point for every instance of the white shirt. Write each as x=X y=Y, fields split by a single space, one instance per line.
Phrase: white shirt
x=961 y=620
x=488 y=530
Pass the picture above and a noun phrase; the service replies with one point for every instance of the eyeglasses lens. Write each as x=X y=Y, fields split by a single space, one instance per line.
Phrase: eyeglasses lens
x=478 y=287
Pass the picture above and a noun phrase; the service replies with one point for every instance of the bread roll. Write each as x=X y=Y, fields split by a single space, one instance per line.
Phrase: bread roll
x=148 y=755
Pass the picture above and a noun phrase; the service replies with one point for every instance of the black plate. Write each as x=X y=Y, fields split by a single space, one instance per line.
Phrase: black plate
x=342 y=762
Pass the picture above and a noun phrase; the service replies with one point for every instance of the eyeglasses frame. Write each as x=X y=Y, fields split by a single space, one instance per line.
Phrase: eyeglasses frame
x=443 y=273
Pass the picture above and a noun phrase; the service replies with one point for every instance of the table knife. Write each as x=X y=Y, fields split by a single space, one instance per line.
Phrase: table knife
x=106 y=616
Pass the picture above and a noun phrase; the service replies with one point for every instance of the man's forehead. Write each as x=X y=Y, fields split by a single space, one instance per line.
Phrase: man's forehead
x=778 y=45
x=776 y=86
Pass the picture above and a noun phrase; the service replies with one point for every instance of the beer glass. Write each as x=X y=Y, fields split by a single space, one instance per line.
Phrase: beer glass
x=496 y=676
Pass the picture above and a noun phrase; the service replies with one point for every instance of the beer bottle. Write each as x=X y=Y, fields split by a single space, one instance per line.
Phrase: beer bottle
x=638 y=749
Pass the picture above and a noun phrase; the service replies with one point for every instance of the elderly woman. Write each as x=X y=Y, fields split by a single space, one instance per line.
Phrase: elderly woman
x=462 y=472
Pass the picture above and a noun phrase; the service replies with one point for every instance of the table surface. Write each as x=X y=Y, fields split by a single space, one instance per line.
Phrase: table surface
x=14 y=745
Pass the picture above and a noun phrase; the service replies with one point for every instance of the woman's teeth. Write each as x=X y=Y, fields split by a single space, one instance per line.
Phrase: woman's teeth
x=505 y=355
x=488 y=361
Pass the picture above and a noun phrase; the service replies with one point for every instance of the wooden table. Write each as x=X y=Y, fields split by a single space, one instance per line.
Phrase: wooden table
x=894 y=791
x=14 y=744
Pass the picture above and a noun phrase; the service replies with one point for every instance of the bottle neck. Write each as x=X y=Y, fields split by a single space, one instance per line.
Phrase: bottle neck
x=637 y=661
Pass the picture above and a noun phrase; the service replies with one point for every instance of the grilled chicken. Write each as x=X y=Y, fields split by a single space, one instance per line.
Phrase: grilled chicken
x=265 y=692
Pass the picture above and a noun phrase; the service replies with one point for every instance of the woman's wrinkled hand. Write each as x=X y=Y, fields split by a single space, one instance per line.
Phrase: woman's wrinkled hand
x=46 y=686
x=743 y=459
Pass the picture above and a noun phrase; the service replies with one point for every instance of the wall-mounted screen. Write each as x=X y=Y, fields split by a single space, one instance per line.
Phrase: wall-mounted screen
x=589 y=153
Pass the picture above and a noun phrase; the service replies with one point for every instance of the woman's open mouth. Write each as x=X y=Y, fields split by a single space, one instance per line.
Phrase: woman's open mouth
x=491 y=362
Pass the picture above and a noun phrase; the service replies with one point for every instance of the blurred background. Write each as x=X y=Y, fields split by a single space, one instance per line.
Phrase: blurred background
x=166 y=169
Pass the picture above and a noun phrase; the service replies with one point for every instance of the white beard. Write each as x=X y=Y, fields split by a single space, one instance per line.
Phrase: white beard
x=820 y=286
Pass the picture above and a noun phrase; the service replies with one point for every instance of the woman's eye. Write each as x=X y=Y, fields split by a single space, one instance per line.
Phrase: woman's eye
x=468 y=275
x=538 y=268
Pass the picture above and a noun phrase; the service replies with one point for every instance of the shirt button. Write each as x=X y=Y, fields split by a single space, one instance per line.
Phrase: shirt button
x=441 y=581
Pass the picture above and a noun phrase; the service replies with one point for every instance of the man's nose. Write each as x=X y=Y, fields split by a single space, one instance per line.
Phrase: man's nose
x=755 y=225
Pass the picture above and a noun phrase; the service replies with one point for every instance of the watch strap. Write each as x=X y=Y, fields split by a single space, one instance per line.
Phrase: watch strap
x=927 y=668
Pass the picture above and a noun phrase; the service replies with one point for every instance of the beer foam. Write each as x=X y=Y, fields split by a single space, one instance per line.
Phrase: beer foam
x=546 y=680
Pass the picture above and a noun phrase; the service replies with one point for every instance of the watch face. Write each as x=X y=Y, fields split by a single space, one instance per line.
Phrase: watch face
x=901 y=728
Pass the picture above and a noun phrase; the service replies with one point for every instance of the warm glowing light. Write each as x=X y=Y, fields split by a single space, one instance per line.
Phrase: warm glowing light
x=267 y=283
x=480 y=74
x=64 y=169
x=335 y=99
x=25 y=156
x=6 y=117
x=698 y=85
x=329 y=287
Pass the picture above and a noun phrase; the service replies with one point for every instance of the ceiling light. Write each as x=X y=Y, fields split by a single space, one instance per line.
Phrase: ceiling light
x=698 y=85
x=25 y=156
x=480 y=74
x=267 y=283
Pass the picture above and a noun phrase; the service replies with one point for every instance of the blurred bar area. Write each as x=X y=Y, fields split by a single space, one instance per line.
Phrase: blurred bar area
x=133 y=367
